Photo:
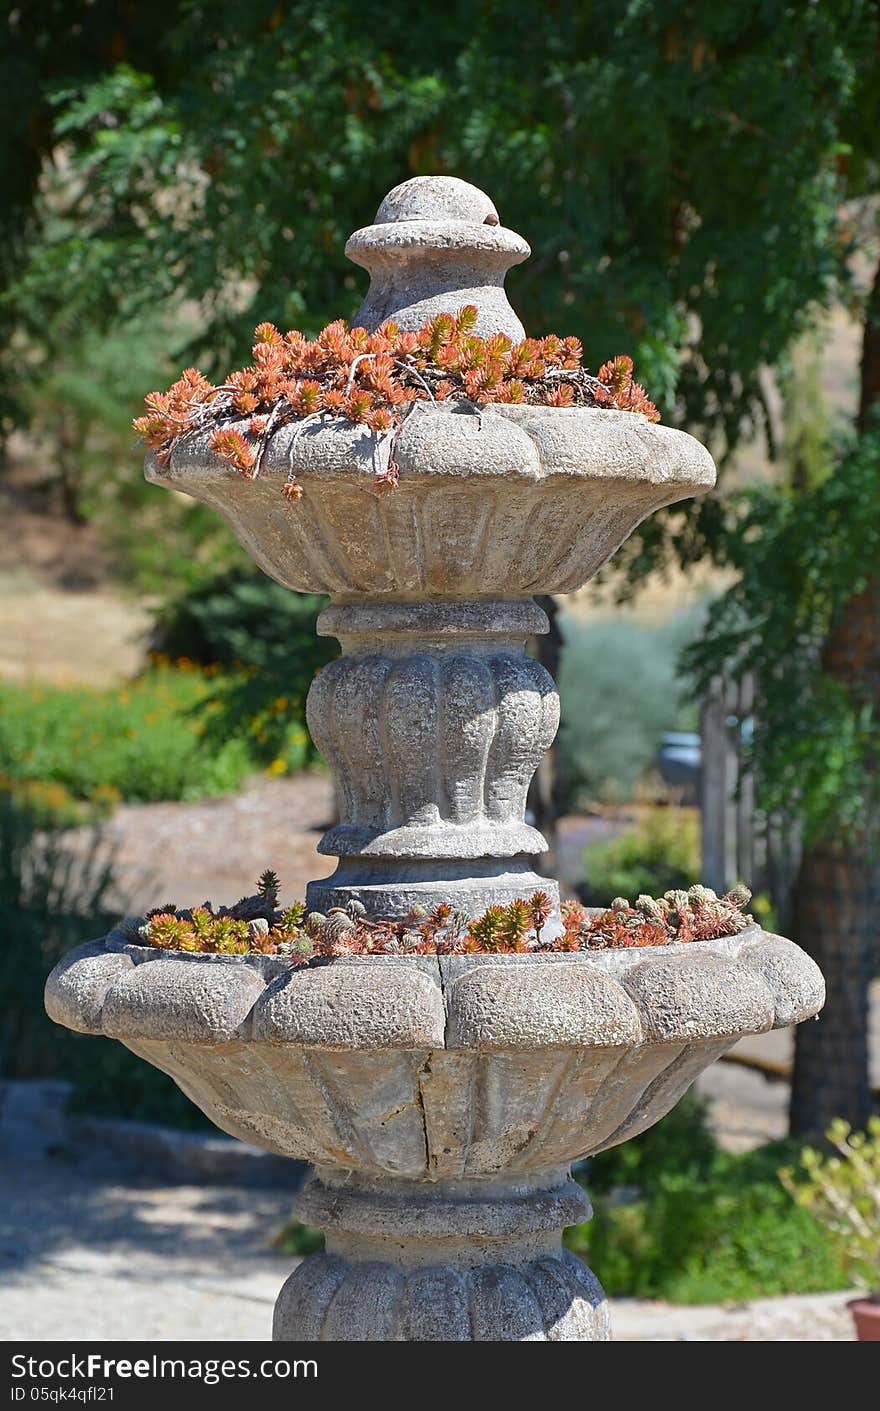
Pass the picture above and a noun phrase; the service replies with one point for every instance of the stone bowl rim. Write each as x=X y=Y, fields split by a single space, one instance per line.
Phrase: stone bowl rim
x=748 y=983
x=359 y=453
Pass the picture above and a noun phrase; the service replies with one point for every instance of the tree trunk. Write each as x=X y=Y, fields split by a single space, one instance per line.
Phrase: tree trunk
x=836 y=922
x=836 y=917
x=69 y=448
x=838 y=889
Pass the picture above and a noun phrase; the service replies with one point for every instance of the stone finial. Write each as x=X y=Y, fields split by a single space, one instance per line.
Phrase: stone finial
x=435 y=246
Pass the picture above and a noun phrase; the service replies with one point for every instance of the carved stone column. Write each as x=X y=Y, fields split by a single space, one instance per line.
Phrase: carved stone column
x=458 y=1261
x=433 y=723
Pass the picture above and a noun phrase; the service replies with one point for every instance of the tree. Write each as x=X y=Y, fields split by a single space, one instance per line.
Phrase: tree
x=682 y=172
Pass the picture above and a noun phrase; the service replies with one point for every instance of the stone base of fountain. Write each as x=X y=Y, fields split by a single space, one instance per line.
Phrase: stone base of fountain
x=456 y=1261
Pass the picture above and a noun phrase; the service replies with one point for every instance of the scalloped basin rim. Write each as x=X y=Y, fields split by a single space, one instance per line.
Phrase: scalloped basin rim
x=623 y=999
x=535 y=442
x=507 y=503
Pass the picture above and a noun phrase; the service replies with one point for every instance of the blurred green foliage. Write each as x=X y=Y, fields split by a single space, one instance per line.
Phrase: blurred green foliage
x=800 y=555
x=676 y=1217
x=265 y=636
x=56 y=890
x=203 y=166
x=620 y=688
x=144 y=741
x=52 y=896
x=660 y=853
x=297 y=1239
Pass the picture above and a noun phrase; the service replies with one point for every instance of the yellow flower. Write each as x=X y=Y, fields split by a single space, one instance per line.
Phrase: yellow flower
x=278 y=766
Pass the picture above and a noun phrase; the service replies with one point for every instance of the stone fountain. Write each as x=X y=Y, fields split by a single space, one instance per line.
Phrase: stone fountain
x=440 y=1100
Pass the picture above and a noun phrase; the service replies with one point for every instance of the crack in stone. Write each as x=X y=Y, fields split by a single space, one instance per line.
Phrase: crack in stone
x=421 y=1072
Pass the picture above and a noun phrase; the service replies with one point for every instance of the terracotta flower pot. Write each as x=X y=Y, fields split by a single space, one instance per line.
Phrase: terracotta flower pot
x=866 y=1316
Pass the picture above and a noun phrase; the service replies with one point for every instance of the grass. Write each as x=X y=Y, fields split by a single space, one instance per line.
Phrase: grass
x=146 y=741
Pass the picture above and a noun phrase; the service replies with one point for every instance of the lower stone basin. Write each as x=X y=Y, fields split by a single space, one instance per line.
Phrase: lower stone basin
x=441 y=1100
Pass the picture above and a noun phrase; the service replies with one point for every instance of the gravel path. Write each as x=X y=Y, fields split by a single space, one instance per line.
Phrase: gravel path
x=217 y=848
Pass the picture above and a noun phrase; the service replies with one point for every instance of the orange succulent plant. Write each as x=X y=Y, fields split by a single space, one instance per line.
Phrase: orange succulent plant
x=373 y=380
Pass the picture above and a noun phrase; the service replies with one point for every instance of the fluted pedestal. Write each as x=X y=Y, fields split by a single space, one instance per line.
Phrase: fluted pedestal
x=433 y=723
x=459 y=1261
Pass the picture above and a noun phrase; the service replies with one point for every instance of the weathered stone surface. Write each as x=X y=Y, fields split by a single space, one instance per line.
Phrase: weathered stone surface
x=442 y=1102
x=455 y=1261
x=381 y=1006
x=484 y=1210
x=76 y=989
x=508 y=502
x=433 y=722
x=469 y=731
x=457 y=443
x=698 y=995
x=437 y=245
x=543 y=1300
x=176 y=1001
x=559 y=1006
x=794 y=980
x=438 y=198
x=393 y=889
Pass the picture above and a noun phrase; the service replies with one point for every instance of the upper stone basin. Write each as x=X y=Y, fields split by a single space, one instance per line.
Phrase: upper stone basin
x=512 y=500
x=426 y=1068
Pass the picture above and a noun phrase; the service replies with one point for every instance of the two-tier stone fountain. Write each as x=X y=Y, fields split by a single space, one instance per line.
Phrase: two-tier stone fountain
x=441 y=1100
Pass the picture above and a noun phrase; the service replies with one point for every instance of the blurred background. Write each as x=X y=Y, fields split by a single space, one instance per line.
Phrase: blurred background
x=700 y=186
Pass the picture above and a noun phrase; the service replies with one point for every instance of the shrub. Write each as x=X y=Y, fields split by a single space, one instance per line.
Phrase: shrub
x=296 y=1239
x=681 y=1141
x=242 y=619
x=843 y=1192
x=54 y=895
x=703 y=1225
x=658 y=855
x=143 y=742
x=620 y=692
x=51 y=898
